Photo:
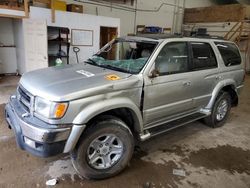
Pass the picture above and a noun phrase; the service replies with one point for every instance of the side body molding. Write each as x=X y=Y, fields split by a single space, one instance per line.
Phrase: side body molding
x=99 y=107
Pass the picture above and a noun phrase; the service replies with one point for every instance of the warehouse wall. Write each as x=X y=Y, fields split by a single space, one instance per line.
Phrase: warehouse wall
x=167 y=16
x=218 y=29
x=6 y=31
x=7 y=54
x=19 y=42
x=76 y=21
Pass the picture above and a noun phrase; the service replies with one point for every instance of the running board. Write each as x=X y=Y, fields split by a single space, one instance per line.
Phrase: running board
x=171 y=125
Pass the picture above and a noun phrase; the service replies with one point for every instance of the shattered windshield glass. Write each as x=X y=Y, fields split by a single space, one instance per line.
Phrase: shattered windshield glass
x=125 y=56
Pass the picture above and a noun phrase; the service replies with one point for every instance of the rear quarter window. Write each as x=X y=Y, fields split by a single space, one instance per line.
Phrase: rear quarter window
x=230 y=53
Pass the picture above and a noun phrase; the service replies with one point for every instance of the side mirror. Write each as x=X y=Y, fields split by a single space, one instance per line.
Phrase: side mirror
x=154 y=73
x=76 y=49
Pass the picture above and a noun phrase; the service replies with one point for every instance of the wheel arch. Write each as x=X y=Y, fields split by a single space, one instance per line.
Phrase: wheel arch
x=227 y=86
x=119 y=107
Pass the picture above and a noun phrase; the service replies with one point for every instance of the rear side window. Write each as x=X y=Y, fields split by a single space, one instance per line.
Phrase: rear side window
x=203 y=56
x=229 y=53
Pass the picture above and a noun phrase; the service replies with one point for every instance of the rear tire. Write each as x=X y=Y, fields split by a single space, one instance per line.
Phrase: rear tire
x=220 y=111
x=104 y=149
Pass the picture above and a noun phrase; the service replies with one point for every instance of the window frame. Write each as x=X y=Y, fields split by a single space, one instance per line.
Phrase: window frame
x=188 y=59
x=192 y=57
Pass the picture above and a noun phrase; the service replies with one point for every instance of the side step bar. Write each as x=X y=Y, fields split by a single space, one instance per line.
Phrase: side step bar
x=154 y=131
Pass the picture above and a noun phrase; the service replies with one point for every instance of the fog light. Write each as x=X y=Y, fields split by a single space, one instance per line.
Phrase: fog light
x=29 y=142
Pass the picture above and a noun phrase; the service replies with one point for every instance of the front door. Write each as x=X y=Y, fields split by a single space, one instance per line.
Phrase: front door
x=170 y=93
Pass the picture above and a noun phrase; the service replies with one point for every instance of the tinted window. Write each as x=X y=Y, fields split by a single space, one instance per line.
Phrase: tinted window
x=229 y=53
x=203 y=56
x=173 y=58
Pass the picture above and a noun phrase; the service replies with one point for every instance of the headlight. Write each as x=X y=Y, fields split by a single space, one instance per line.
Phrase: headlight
x=50 y=109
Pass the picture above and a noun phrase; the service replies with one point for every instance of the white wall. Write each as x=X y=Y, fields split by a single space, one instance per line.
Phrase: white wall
x=77 y=21
x=167 y=16
x=6 y=31
x=161 y=18
x=7 y=54
x=19 y=42
x=126 y=17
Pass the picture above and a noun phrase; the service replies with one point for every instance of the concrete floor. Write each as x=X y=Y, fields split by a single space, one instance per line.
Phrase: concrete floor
x=209 y=157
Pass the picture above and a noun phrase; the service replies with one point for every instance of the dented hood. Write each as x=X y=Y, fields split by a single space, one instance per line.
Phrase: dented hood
x=75 y=81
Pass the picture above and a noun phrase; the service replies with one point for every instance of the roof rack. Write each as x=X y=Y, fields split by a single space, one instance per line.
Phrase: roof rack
x=157 y=36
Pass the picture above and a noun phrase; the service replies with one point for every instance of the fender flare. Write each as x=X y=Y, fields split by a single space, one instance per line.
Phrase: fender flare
x=218 y=88
x=99 y=107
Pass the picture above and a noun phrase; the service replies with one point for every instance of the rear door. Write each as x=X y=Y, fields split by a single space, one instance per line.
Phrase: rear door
x=205 y=71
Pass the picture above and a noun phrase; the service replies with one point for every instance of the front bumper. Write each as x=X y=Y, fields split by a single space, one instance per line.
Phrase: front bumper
x=34 y=135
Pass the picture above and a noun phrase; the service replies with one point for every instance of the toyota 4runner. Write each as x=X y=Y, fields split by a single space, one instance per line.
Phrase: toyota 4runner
x=134 y=88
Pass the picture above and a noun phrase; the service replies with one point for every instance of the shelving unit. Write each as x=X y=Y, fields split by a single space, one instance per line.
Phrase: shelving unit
x=58 y=44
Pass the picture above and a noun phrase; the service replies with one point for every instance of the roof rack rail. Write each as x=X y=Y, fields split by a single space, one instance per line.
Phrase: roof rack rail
x=167 y=36
x=158 y=35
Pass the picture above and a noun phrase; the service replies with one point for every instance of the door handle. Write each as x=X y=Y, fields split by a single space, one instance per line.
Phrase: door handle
x=188 y=83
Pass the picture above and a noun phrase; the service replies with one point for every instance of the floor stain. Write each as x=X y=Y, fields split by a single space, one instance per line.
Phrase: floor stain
x=147 y=174
x=232 y=159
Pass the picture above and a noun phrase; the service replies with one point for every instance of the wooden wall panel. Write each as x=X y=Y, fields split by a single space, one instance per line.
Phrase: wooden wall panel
x=223 y=13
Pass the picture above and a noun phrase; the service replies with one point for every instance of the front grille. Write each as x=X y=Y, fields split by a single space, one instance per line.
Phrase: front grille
x=24 y=98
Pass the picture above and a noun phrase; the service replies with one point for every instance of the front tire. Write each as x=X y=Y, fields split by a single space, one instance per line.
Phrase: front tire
x=220 y=111
x=104 y=149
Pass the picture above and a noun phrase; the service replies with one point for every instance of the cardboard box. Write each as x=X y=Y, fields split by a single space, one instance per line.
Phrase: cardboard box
x=75 y=8
x=60 y=5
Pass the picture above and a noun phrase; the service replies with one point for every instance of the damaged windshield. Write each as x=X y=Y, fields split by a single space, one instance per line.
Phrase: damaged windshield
x=124 y=56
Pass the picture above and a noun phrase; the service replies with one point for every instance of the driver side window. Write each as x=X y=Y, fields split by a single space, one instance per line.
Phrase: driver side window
x=172 y=59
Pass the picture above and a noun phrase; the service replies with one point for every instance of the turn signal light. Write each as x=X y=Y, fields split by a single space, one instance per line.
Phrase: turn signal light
x=60 y=110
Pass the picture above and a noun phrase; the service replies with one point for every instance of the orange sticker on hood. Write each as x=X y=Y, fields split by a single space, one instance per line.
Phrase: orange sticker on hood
x=112 y=77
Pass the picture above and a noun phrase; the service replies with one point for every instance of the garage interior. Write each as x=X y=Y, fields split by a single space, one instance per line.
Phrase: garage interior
x=37 y=34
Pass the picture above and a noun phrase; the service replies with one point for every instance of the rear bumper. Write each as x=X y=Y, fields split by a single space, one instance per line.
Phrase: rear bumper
x=38 y=140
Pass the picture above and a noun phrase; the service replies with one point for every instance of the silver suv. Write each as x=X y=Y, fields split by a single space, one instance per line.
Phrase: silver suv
x=134 y=88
